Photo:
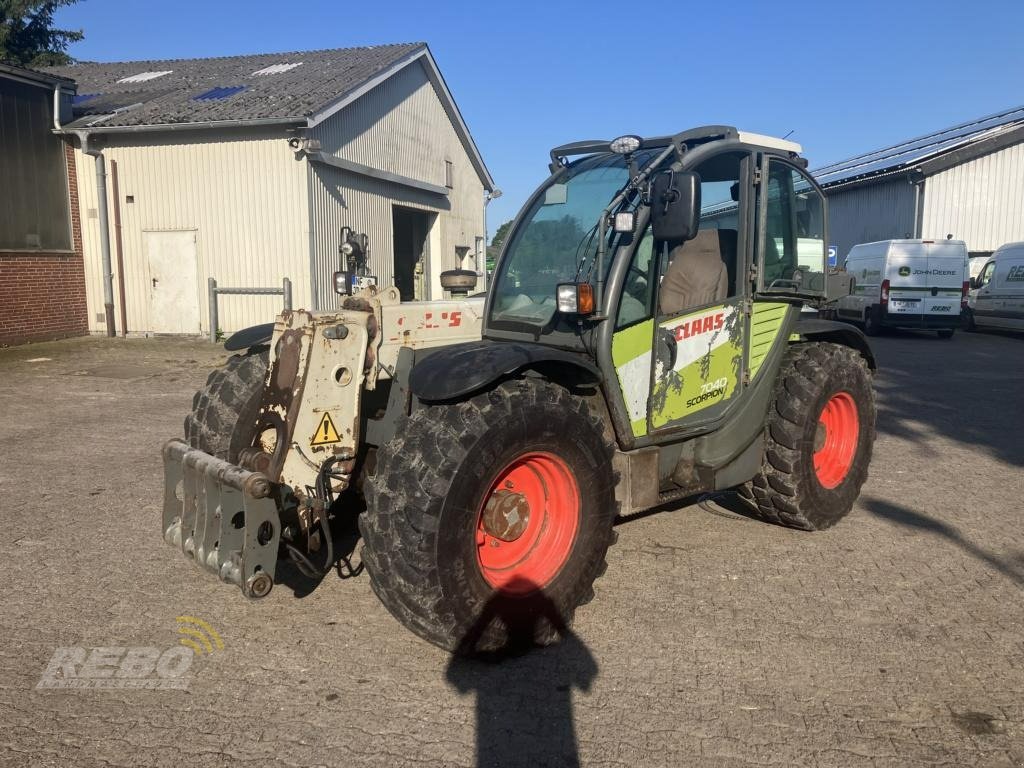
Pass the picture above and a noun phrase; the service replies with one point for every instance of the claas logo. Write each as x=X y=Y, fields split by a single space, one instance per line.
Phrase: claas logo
x=699 y=325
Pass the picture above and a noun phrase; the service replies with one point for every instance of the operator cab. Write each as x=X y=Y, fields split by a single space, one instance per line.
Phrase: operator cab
x=668 y=260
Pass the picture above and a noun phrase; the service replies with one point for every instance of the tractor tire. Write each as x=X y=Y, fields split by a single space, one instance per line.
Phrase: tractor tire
x=820 y=432
x=224 y=411
x=488 y=520
x=872 y=323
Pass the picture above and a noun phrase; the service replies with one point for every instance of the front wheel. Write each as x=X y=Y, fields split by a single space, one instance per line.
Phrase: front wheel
x=489 y=513
x=821 y=429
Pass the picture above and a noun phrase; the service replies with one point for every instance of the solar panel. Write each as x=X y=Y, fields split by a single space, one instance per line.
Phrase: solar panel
x=221 y=92
x=913 y=151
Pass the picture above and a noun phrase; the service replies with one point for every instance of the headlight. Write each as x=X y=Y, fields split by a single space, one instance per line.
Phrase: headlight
x=575 y=298
x=625 y=145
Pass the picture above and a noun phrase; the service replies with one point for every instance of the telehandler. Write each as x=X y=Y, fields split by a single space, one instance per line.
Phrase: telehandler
x=649 y=336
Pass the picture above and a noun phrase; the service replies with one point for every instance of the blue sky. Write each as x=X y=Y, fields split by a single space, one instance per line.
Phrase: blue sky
x=844 y=77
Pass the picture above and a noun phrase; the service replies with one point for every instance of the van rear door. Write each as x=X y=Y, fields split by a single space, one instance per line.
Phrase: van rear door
x=926 y=277
x=947 y=271
x=907 y=273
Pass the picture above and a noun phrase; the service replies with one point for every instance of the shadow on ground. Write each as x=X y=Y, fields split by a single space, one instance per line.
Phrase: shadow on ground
x=975 y=400
x=524 y=713
x=1012 y=567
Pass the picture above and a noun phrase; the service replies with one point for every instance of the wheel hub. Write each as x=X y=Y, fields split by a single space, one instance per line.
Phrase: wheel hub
x=836 y=439
x=527 y=525
x=506 y=515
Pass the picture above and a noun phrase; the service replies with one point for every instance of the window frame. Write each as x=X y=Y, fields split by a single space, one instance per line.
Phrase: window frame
x=761 y=237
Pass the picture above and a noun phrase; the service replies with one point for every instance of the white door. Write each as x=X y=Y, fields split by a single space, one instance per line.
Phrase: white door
x=173 y=281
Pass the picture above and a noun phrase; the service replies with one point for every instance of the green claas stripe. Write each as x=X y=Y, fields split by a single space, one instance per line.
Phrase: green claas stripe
x=765 y=323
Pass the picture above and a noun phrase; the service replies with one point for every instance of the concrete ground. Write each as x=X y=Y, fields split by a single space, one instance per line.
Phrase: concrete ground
x=896 y=638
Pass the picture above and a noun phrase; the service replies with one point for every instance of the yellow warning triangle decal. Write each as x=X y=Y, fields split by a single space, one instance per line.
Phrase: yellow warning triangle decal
x=326 y=433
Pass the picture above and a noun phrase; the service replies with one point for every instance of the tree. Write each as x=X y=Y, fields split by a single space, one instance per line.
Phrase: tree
x=27 y=36
x=500 y=235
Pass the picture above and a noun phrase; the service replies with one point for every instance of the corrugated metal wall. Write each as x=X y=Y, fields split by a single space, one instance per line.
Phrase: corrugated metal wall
x=980 y=202
x=243 y=193
x=865 y=214
x=400 y=127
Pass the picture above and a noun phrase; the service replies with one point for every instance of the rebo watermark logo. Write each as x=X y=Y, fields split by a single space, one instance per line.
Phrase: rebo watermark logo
x=136 y=667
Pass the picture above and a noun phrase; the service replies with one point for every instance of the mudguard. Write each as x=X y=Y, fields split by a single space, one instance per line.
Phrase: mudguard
x=249 y=337
x=840 y=333
x=462 y=369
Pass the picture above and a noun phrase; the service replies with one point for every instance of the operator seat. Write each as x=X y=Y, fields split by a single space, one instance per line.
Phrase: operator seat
x=699 y=271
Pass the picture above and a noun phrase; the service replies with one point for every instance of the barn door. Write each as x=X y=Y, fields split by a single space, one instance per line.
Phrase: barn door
x=173 y=281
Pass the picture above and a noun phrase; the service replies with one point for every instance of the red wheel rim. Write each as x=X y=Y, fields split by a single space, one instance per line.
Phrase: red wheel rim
x=835 y=444
x=527 y=525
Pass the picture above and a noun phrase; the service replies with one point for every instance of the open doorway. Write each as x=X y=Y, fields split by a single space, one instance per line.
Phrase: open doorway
x=409 y=236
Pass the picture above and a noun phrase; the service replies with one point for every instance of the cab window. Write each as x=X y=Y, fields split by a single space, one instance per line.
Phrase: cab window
x=794 y=249
x=986 y=274
x=672 y=278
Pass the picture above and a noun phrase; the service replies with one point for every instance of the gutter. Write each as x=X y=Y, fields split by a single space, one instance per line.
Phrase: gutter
x=254 y=123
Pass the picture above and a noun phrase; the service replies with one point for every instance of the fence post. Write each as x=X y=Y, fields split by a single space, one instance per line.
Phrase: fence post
x=213 y=310
x=287 y=294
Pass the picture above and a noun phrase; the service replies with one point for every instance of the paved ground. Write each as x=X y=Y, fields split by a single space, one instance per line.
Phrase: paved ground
x=897 y=638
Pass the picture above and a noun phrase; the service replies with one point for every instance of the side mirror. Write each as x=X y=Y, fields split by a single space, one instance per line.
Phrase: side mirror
x=675 y=206
x=974 y=283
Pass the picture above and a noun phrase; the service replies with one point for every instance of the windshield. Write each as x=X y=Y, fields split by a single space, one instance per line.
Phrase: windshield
x=557 y=239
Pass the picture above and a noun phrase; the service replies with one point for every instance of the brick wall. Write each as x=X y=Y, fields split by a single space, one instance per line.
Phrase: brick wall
x=42 y=295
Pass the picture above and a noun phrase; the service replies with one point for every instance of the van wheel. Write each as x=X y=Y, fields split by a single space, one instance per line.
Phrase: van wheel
x=872 y=326
x=821 y=429
x=967 y=321
x=946 y=333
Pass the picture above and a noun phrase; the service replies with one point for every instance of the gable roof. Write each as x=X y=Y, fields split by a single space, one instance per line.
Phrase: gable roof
x=931 y=152
x=35 y=77
x=300 y=88
x=266 y=86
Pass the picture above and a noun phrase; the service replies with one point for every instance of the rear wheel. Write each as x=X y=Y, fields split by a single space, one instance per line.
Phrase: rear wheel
x=872 y=322
x=946 y=333
x=821 y=428
x=507 y=497
x=224 y=411
x=967 y=321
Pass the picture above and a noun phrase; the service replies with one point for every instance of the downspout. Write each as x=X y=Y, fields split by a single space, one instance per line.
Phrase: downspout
x=917 y=179
x=101 y=206
x=493 y=194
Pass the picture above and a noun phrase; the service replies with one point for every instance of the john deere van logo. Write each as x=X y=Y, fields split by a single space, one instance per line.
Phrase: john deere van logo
x=904 y=271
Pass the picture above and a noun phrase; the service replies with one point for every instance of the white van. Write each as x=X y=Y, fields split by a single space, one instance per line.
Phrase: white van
x=907 y=284
x=996 y=299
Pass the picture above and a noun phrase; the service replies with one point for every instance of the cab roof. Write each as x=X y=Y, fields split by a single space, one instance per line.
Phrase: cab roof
x=691 y=137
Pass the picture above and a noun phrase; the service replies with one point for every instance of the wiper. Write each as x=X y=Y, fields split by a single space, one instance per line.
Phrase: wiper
x=584 y=243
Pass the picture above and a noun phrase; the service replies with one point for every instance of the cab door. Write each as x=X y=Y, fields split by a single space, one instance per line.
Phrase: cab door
x=698 y=361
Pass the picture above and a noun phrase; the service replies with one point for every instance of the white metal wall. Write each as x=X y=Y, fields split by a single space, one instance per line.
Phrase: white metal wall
x=244 y=193
x=400 y=127
x=980 y=202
